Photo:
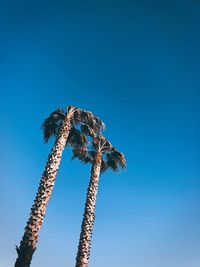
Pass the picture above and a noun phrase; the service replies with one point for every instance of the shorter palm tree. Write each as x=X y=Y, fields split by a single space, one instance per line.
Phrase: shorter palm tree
x=102 y=155
x=63 y=125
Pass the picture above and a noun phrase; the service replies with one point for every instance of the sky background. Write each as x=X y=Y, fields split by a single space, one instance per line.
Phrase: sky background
x=136 y=65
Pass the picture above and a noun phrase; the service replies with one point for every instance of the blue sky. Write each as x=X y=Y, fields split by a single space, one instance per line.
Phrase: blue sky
x=136 y=65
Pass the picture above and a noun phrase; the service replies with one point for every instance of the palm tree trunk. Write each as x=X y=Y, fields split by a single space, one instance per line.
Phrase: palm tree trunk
x=83 y=253
x=29 y=240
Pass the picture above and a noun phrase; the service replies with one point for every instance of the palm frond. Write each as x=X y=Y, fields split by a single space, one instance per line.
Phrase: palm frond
x=51 y=125
x=99 y=123
x=77 y=116
x=70 y=109
x=104 y=165
x=115 y=160
x=86 y=129
x=119 y=157
x=91 y=154
x=76 y=138
x=94 y=124
x=111 y=162
x=82 y=154
x=79 y=152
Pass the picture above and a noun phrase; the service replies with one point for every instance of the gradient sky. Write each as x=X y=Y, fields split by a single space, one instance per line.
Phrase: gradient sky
x=136 y=65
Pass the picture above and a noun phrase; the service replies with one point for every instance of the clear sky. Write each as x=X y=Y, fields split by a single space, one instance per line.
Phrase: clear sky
x=136 y=65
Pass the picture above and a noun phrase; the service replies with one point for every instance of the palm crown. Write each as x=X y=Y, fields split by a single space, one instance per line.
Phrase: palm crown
x=111 y=157
x=82 y=123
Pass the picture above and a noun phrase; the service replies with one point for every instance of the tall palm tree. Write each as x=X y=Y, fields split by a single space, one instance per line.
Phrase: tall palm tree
x=62 y=125
x=102 y=155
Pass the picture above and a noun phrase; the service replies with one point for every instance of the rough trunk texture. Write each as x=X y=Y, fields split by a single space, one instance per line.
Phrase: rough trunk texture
x=83 y=253
x=29 y=240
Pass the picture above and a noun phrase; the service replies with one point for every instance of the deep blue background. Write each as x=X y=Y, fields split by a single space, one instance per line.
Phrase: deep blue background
x=135 y=64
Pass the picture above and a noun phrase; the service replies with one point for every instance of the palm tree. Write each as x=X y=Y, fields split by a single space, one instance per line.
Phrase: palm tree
x=102 y=155
x=62 y=125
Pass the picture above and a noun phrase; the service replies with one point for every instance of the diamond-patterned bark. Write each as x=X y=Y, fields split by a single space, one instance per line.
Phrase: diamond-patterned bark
x=29 y=240
x=83 y=254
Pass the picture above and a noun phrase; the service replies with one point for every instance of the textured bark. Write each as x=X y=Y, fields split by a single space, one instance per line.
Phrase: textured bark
x=83 y=253
x=29 y=240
